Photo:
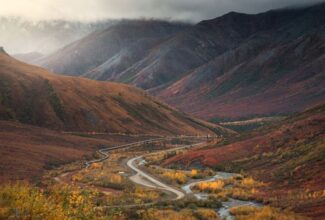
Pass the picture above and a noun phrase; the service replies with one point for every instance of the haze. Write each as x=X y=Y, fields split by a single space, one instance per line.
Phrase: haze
x=90 y=10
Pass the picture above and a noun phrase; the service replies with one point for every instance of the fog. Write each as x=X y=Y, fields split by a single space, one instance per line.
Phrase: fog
x=47 y=25
x=90 y=10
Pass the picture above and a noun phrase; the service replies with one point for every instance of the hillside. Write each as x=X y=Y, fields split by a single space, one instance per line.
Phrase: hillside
x=288 y=157
x=32 y=95
x=27 y=151
x=237 y=65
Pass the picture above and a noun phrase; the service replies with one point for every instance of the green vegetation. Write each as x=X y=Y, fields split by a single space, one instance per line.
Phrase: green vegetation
x=249 y=117
x=291 y=157
x=141 y=112
x=245 y=128
x=55 y=101
x=29 y=108
x=5 y=99
x=192 y=203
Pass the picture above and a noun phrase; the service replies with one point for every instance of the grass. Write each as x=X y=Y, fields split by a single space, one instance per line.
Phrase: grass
x=5 y=100
x=255 y=213
x=163 y=214
x=55 y=101
x=141 y=112
x=104 y=174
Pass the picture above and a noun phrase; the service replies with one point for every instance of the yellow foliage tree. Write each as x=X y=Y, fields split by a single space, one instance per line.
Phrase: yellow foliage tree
x=22 y=201
x=194 y=172
x=177 y=176
x=210 y=186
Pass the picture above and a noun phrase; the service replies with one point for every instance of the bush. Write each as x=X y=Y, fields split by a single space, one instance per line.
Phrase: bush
x=252 y=213
x=22 y=201
x=177 y=176
x=213 y=186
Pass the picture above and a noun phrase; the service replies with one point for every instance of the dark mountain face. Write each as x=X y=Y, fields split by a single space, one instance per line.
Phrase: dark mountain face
x=231 y=66
x=252 y=80
x=277 y=70
x=104 y=54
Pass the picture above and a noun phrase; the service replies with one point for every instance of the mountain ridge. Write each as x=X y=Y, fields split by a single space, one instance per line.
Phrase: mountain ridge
x=32 y=95
x=226 y=58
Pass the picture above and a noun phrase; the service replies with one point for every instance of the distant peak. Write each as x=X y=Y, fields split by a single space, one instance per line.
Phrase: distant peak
x=2 y=50
x=228 y=16
x=233 y=13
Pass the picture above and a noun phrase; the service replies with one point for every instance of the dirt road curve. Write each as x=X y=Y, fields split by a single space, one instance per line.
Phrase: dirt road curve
x=145 y=179
x=138 y=178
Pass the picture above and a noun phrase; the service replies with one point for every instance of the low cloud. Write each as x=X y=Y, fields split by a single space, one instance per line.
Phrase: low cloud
x=89 y=10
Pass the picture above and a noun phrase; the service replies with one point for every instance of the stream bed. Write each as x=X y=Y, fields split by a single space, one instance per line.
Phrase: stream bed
x=227 y=205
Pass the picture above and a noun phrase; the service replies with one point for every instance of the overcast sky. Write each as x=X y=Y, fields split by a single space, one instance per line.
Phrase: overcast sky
x=191 y=10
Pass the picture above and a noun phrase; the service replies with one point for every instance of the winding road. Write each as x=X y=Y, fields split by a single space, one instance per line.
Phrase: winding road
x=140 y=177
x=147 y=180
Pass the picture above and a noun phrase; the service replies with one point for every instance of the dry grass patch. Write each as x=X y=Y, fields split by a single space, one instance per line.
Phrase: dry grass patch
x=254 y=213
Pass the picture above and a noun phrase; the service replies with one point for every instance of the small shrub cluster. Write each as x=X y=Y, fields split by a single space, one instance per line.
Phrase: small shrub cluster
x=175 y=176
x=192 y=203
x=213 y=186
x=255 y=213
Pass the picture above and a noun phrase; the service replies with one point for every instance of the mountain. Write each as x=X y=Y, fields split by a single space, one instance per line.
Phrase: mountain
x=19 y=35
x=32 y=95
x=280 y=69
x=237 y=65
x=288 y=157
x=104 y=54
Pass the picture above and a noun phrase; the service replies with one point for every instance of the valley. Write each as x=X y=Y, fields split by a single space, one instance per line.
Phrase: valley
x=210 y=114
x=120 y=163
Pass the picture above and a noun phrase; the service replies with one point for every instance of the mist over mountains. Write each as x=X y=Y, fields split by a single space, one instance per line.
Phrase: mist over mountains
x=19 y=35
x=236 y=65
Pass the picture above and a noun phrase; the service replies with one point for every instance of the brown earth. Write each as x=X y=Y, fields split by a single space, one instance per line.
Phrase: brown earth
x=27 y=151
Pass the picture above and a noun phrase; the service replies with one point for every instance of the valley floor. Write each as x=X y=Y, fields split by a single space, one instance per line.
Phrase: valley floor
x=108 y=188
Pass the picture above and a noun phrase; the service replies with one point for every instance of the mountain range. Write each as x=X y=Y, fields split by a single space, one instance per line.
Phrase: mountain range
x=237 y=65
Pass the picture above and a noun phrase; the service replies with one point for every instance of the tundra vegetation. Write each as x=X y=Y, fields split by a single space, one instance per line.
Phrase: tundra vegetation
x=104 y=191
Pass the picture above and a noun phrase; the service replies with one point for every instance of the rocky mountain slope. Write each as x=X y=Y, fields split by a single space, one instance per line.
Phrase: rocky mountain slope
x=234 y=66
x=105 y=54
x=32 y=95
x=276 y=70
